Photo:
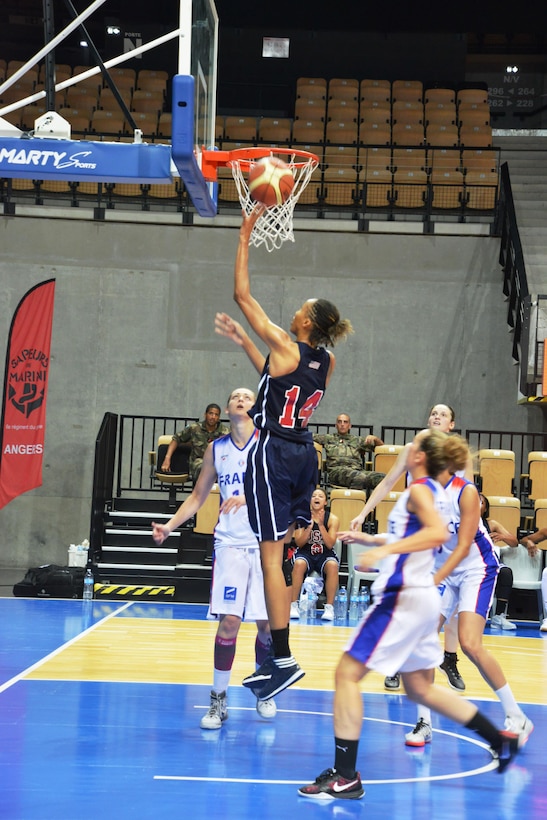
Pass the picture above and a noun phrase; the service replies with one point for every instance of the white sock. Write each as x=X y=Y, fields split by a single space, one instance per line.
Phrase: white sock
x=424 y=714
x=508 y=701
x=221 y=680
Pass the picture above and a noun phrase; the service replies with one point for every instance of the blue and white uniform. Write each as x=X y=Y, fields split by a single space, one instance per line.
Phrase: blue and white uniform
x=237 y=585
x=399 y=632
x=282 y=469
x=470 y=587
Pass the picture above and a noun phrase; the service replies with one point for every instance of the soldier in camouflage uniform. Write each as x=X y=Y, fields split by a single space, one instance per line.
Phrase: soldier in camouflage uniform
x=344 y=454
x=199 y=434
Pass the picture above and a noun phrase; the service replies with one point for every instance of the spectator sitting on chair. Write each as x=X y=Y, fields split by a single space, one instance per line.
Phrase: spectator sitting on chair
x=344 y=454
x=504 y=584
x=316 y=552
x=199 y=434
x=531 y=542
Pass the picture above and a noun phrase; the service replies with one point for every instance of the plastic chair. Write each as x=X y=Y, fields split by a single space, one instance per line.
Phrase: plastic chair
x=443 y=159
x=526 y=570
x=310 y=109
x=408 y=134
x=410 y=188
x=374 y=134
x=385 y=456
x=318 y=82
x=108 y=122
x=179 y=473
x=472 y=95
x=341 y=132
x=443 y=96
x=378 y=188
x=481 y=189
x=346 y=504
x=496 y=472
x=383 y=510
x=340 y=186
x=275 y=130
x=341 y=156
x=536 y=477
x=149 y=102
x=355 y=576
x=343 y=110
x=409 y=159
x=207 y=515
x=411 y=90
x=473 y=115
x=240 y=129
x=476 y=136
x=308 y=131
x=478 y=159
x=447 y=188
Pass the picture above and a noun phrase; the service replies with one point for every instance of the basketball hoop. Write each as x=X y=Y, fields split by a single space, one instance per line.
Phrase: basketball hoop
x=275 y=224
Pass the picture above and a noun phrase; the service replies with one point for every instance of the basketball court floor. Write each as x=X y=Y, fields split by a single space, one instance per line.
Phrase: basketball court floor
x=100 y=705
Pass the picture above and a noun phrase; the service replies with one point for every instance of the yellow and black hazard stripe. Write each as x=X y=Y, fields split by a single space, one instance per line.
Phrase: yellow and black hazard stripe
x=141 y=591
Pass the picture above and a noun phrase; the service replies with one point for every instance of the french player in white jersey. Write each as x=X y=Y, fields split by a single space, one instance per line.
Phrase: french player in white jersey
x=400 y=630
x=237 y=588
x=441 y=417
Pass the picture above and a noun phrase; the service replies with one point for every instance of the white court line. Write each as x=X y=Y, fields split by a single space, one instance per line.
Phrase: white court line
x=493 y=764
x=61 y=648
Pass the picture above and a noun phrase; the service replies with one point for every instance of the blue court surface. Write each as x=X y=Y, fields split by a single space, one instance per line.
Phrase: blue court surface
x=100 y=711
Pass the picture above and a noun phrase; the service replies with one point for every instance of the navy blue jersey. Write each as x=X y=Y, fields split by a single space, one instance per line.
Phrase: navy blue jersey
x=284 y=404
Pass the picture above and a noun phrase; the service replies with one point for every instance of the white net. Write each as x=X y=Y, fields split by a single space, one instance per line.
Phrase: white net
x=275 y=225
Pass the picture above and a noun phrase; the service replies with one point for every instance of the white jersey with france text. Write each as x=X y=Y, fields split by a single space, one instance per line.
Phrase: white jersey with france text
x=413 y=569
x=233 y=528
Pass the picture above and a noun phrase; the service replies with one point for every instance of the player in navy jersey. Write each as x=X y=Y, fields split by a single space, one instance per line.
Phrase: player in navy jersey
x=282 y=468
x=399 y=630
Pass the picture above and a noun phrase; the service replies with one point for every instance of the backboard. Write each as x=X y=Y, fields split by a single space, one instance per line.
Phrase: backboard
x=194 y=99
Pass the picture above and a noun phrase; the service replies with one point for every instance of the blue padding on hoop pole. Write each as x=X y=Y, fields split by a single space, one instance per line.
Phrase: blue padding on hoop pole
x=37 y=158
x=182 y=135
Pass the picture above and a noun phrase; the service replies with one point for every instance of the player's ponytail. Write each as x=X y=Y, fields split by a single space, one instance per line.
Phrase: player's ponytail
x=328 y=327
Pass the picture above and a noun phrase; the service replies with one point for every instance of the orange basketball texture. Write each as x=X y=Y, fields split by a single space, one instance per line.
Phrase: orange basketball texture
x=270 y=181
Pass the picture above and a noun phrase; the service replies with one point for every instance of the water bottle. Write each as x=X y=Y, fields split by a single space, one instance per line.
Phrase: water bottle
x=342 y=604
x=354 y=608
x=303 y=604
x=364 y=600
x=312 y=606
x=88 y=585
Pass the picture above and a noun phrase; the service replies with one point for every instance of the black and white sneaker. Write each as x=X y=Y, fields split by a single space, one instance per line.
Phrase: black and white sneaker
x=507 y=751
x=275 y=675
x=450 y=668
x=330 y=785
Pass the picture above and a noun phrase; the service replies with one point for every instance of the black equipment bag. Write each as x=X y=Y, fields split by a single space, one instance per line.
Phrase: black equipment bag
x=51 y=581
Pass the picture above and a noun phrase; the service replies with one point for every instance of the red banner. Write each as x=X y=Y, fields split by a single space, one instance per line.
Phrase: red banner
x=25 y=393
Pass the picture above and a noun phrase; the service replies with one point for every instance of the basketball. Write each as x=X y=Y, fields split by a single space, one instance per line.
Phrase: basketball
x=270 y=181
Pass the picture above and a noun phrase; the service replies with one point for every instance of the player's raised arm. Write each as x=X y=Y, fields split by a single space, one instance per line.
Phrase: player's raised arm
x=226 y=326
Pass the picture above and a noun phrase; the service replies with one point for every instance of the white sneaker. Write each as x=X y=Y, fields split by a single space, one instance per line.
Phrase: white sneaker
x=295 y=610
x=420 y=735
x=328 y=613
x=266 y=708
x=218 y=712
x=543 y=626
x=519 y=725
x=501 y=622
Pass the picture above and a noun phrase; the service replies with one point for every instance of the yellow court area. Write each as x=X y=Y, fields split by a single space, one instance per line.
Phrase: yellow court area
x=172 y=651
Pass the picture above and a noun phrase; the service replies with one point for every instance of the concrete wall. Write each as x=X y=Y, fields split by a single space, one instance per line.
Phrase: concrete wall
x=133 y=333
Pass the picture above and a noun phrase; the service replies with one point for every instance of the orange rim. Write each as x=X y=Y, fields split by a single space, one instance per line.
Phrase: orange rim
x=211 y=160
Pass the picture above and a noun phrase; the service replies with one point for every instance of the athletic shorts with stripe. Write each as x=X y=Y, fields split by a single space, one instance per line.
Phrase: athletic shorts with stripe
x=280 y=478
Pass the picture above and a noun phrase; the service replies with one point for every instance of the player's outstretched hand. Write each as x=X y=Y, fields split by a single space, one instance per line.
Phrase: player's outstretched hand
x=159 y=532
x=226 y=326
x=249 y=221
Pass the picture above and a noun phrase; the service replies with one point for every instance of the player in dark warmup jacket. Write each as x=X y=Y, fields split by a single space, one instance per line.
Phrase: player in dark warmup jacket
x=282 y=468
